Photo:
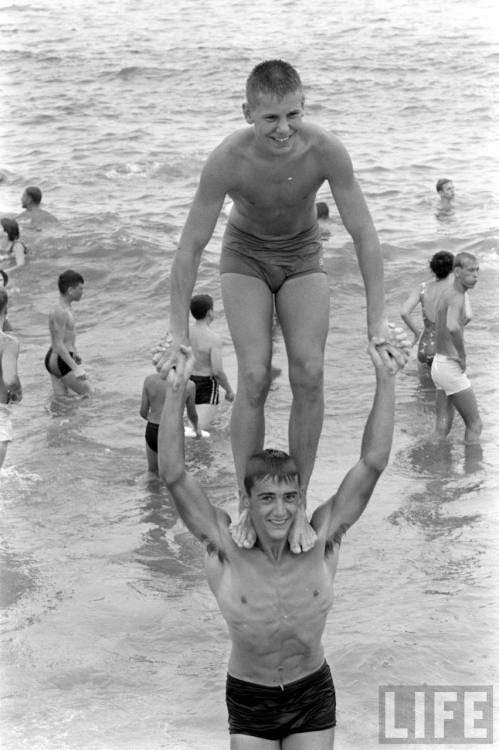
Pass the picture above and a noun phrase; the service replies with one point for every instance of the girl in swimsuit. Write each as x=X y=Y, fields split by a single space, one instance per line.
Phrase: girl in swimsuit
x=15 y=249
x=426 y=294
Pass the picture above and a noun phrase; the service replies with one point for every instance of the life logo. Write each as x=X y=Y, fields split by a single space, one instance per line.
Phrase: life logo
x=436 y=714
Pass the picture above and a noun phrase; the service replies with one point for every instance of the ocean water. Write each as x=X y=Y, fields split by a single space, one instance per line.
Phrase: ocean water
x=110 y=638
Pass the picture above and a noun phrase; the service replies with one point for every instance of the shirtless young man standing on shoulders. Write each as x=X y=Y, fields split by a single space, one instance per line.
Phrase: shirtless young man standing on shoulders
x=62 y=360
x=271 y=257
x=208 y=372
x=279 y=691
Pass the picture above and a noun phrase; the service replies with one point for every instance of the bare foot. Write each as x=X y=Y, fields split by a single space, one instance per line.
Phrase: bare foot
x=302 y=537
x=243 y=532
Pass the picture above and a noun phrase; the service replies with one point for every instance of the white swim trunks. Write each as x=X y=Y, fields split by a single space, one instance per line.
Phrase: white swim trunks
x=448 y=375
x=5 y=424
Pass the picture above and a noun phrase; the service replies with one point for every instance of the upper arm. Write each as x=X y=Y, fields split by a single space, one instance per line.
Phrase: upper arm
x=200 y=516
x=332 y=519
x=411 y=302
x=346 y=190
x=57 y=325
x=19 y=254
x=453 y=318
x=216 y=360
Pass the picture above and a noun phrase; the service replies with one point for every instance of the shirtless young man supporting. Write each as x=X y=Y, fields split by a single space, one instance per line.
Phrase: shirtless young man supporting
x=62 y=360
x=271 y=256
x=280 y=693
x=208 y=372
x=448 y=370
x=10 y=385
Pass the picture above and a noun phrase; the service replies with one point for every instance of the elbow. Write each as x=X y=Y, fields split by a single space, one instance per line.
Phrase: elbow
x=171 y=474
x=377 y=461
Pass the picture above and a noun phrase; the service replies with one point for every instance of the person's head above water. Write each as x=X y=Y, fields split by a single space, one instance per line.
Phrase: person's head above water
x=445 y=188
x=32 y=196
x=11 y=228
x=274 y=78
x=442 y=263
x=69 y=279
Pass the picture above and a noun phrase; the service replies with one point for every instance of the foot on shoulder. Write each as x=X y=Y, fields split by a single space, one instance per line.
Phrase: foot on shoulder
x=243 y=531
x=302 y=536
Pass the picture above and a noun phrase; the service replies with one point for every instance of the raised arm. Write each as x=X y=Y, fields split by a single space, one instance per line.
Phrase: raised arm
x=333 y=518
x=196 y=511
x=358 y=222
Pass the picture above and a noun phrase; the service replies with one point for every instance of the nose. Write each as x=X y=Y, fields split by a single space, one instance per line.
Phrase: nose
x=283 y=126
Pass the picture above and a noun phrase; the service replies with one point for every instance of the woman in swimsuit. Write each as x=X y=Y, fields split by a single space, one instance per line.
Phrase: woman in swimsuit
x=15 y=249
x=427 y=294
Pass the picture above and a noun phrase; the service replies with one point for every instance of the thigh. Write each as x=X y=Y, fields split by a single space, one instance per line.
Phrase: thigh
x=249 y=308
x=246 y=742
x=302 y=305
x=323 y=740
x=465 y=403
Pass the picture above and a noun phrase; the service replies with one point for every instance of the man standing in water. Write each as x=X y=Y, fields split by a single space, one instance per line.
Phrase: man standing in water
x=10 y=385
x=33 y=215
x=445 y=189
x=448 y=370
x=272 y=257
x=62 y=360
x=279 y=691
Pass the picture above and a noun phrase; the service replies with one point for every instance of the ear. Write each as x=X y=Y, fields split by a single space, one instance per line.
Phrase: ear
x=245 y=501
x=247 y=113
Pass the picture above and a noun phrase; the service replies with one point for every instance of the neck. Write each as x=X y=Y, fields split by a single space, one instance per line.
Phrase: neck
x=273 y=550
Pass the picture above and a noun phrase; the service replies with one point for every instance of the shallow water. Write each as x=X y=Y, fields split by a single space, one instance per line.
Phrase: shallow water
x=110 y=636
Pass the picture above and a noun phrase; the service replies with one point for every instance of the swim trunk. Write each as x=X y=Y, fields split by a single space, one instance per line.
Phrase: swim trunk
x=272 y=260
x=61 y=364
x=206 y=389
x=5 y=424
x=152 y=436
x=448 y=375
x=272 y=713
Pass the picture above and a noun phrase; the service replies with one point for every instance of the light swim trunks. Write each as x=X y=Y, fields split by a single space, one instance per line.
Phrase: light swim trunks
x=272 y=260
x=273 y=713
x=5 y=424
x=448 y=376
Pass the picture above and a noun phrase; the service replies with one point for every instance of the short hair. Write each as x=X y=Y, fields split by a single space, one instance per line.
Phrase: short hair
x=67 y=279
x=461 y=258
x=441 y=182
x=274 y=77
x=11 y=227
x=34 y=193
x=201 y=304
x=442 y=264
x=269 y=463
x=4 y=298
x=5 y=277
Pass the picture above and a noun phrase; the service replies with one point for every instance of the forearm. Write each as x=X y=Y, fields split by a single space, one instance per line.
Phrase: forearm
x=378 y=432
x=171 y=455
x=410 y=324
x=182 y=280
x=192 y=414
x=223 y=381
x=61 y=349
x=370 y=261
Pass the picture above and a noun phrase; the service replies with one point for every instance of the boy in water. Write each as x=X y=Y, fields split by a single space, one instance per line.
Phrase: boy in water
x=208 y=372
x=10 y=385
x=279 y=689
x=272 y=257
x=62 y=360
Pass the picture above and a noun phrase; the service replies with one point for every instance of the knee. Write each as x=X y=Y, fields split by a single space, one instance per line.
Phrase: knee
x=307 y=375
x=254 y=382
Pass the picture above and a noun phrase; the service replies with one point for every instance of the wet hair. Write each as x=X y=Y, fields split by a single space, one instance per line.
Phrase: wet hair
x=67 y=279
x=4 y=298
x=441 y=182
x=269 y=463
x=442 y=264
x=5 y=277
x=461 y=258
x=201 y=304
x=274 y=77
x=34 y=193
x=11 y=227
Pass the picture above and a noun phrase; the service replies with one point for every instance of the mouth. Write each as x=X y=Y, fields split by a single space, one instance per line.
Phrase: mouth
x=281 y=140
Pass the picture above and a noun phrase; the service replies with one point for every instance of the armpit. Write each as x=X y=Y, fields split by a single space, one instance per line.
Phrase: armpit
x=335 y=538
x=213 y=549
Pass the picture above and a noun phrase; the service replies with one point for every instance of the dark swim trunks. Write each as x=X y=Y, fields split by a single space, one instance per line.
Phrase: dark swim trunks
x=273 y=713
x=63 y=367
x=152 y=436
x=272 y=260
x=206 y=389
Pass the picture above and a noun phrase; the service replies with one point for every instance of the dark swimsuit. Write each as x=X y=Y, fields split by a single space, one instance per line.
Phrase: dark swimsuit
x=61 y=364
x=206 y=389
x=273 y=260
x=272 y=713
x=152 y=436
x=427 y=340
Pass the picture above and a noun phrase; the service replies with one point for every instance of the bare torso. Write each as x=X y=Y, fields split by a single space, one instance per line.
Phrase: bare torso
x=444 y=343
x=66 y=326
x=156 y=390
x=202 y=341
x=275 y=611
x=274 y=197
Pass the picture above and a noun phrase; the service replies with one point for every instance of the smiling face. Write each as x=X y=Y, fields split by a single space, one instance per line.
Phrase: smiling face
x=273 y=504
x=276 y=120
